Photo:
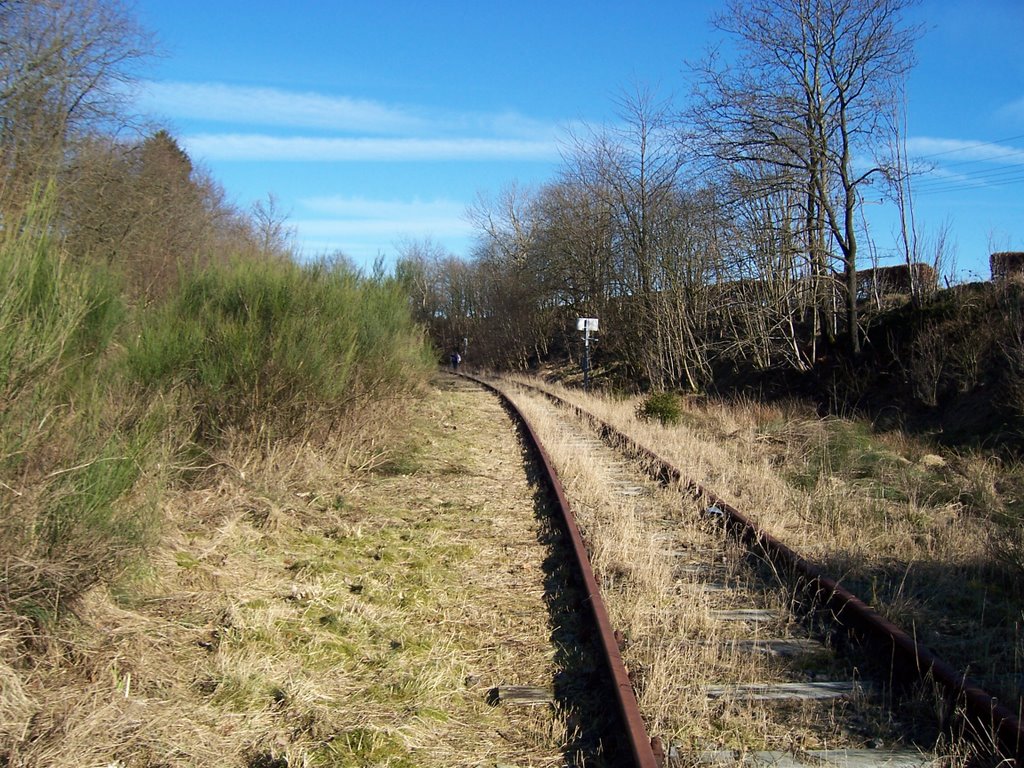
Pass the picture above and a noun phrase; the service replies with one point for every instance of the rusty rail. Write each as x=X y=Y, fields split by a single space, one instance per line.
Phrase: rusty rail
x=642 y=748
x=986 y=717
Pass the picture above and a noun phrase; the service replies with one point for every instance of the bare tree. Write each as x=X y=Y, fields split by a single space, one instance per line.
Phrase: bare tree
x=506 y=222
x=618 y=237
x=418 y=269
x=65 y=68
x=808 y=94
x=920 y=251
x=662 y=240
x=764 y=295
x=516 y=278
x=574 y=248
x=275 y=238
x=636 y=167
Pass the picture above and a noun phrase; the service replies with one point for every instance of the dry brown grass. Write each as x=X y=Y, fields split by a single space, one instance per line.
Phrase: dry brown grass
x=679 y=646
x=344 y=605
x=824 y=490
x=907 y=529
x=299 y=613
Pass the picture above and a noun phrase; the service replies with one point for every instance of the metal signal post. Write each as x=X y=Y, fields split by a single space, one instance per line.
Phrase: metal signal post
x=586 y=324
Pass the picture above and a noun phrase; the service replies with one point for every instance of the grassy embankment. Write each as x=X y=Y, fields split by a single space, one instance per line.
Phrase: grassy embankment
x=108 y=410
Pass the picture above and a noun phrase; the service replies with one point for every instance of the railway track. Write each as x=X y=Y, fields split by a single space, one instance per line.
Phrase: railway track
x=725 y=646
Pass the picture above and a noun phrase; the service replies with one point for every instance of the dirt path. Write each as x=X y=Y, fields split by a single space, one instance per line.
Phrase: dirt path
x=292 y=617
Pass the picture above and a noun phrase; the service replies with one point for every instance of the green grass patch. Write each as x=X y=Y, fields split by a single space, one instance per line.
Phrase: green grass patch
x=243 y=693
x=396 y=466
x=363 y=747
x=848 y=450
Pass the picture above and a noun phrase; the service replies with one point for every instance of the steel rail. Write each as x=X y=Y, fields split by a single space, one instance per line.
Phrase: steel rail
x=1001 y=726
x=642 y=748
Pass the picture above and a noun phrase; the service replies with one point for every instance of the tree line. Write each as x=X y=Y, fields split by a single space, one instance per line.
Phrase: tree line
x=127 y=195
x=727 y=234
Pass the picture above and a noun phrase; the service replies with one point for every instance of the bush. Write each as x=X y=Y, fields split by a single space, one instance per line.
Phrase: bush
x=280 y=347
x=55 y=320
x=666 y=407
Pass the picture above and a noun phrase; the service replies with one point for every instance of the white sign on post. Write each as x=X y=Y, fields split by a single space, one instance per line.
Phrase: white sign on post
x=586 y=324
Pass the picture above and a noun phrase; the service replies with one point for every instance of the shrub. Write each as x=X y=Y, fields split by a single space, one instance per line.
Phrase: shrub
x=666 y=407
x=281 y=347
x=55 y=320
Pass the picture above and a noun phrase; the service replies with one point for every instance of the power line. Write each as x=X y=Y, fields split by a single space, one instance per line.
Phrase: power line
x=990 y=159
x=963 y=186
x=980 y=176
x=977 y=178
x=973 y=145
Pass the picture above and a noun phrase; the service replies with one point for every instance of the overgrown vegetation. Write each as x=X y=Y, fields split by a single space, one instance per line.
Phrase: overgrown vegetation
x=171 y=379
x=106 y=403
x=157 y=345
x=71 y=448
x=276 y=347
x=145 y=322
x=929 y=537
x=329 y=617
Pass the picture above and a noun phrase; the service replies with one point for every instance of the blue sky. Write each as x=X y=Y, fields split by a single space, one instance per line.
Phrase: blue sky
x=377 y=124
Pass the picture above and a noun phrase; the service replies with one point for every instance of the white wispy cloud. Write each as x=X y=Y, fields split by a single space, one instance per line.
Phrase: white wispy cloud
x=246 y=105
x=262 y=106
x=224 y=123
x=253 y=146
x=317 y=127
x=514 y=125
x=361 y=227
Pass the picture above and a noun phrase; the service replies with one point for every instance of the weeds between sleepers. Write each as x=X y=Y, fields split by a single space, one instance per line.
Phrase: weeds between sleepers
x=662 y=432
